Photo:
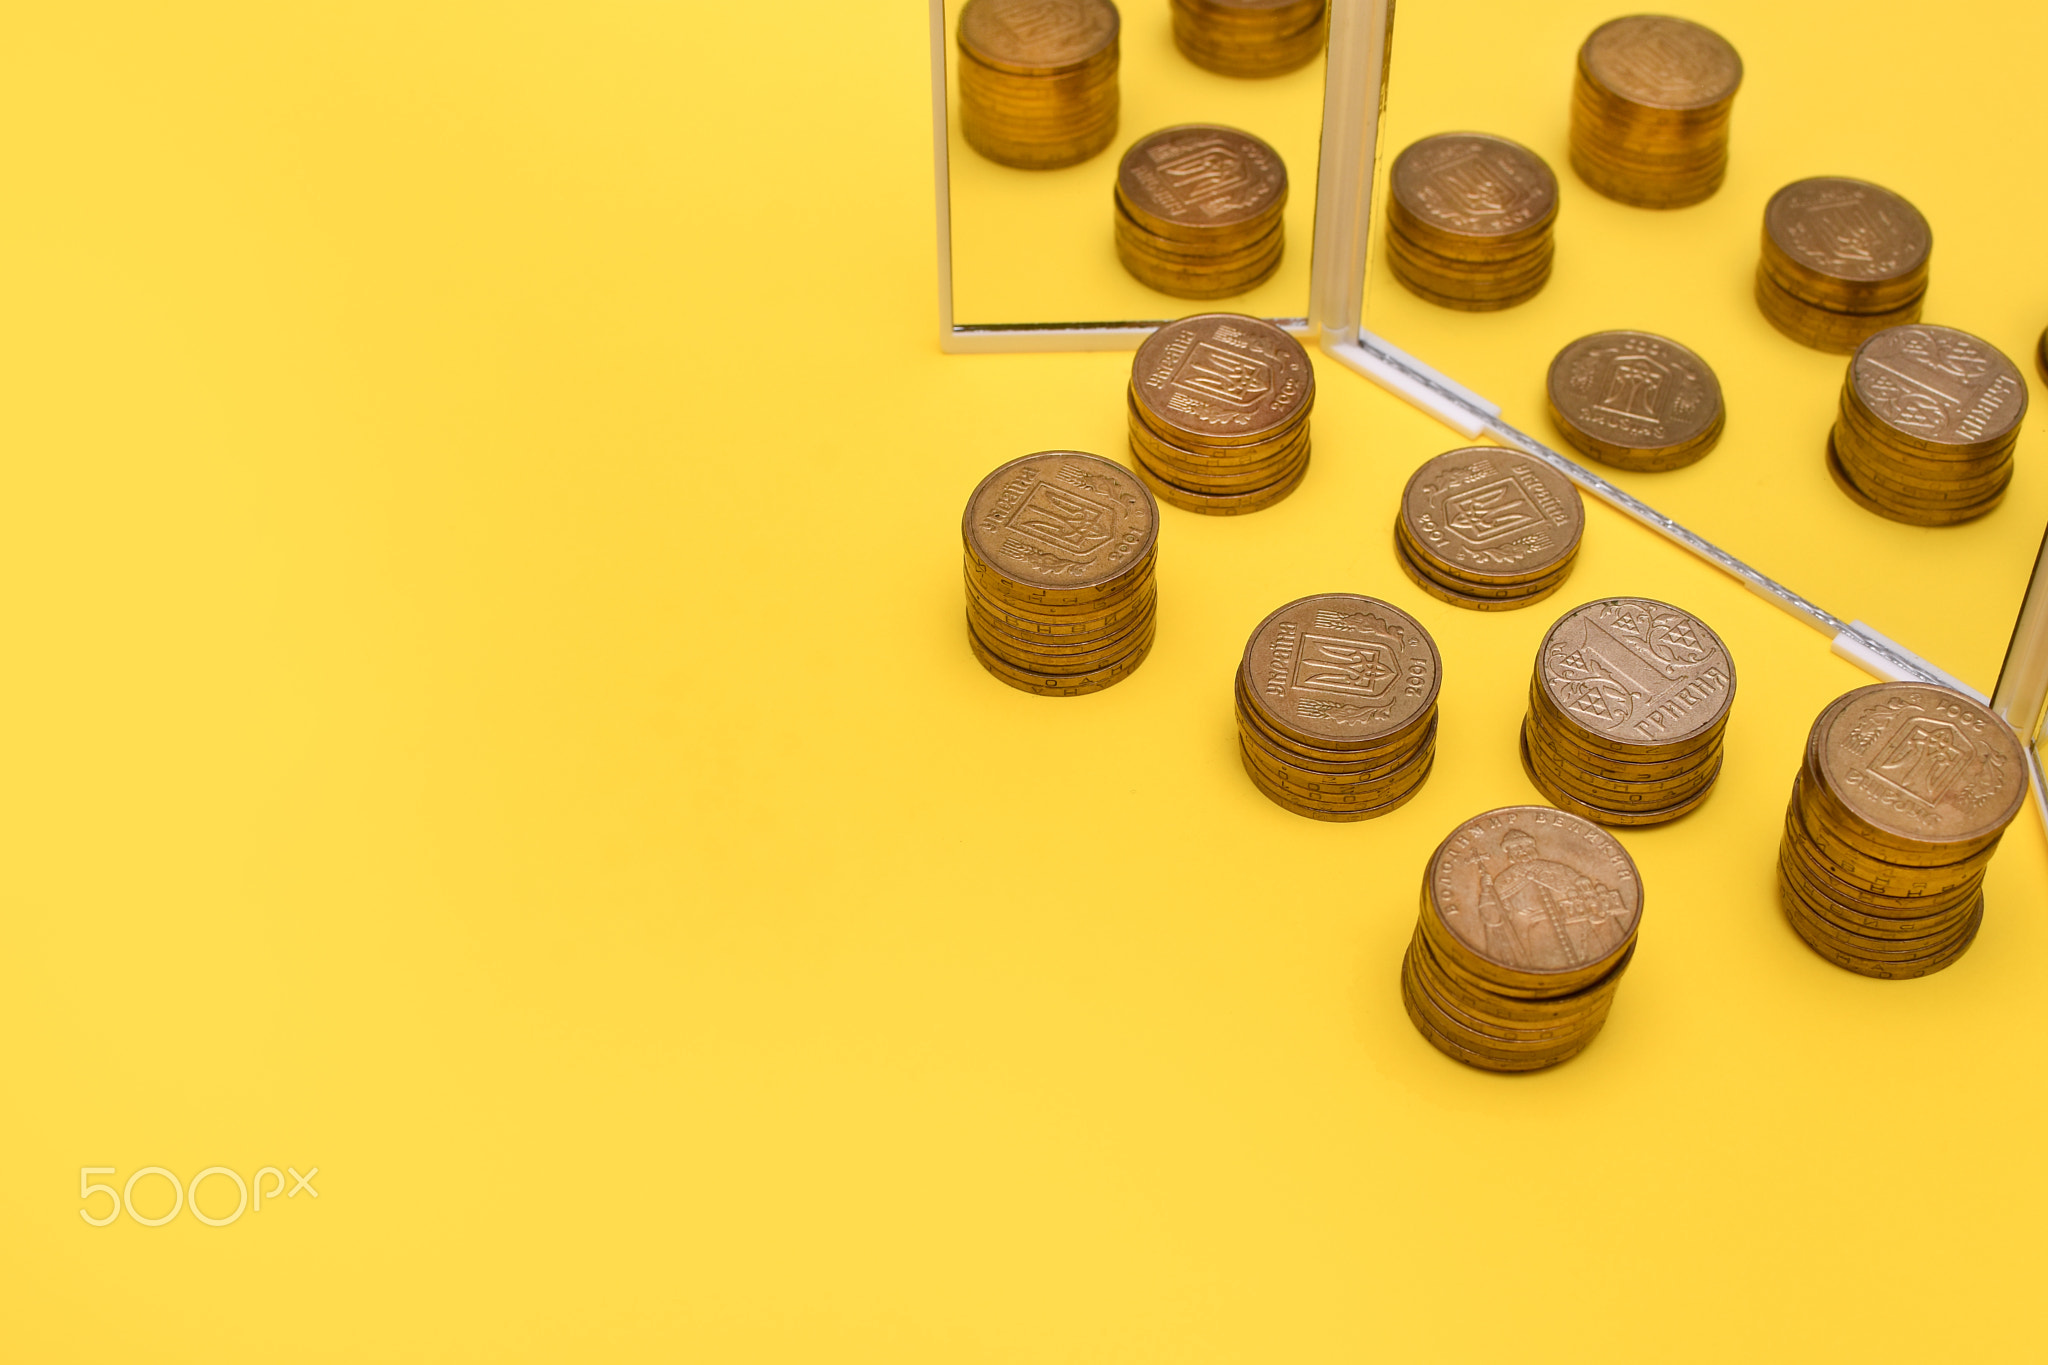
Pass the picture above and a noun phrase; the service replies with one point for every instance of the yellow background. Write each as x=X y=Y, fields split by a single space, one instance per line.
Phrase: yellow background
x=487 y=716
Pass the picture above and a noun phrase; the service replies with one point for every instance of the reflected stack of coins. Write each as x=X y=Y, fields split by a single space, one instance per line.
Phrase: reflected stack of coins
x=1249 y=37
x=1336 y=706
x=1198 y=211
x=1627 y=711
x=1529 y=919
x=1038 y=82
x=1488 y=528
x=1650 y=108
x=1219 y=407
x=1904 y=793
x=1928 y=422
x=1843 y=259
x=1059 y=554
x=1469 y=221
x=1635 y=400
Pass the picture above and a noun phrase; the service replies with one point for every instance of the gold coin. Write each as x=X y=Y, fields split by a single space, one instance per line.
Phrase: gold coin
x=1635 y=400
x=1063 y=685
x=1249 y=37
x=1651 y=100
x=1490 y=517
x=1038 y=79
x=1928 y=771
x=1533 y=900
x=1342 y=671
x=1062 y=526
x=1636 y=676
x=1846 y=245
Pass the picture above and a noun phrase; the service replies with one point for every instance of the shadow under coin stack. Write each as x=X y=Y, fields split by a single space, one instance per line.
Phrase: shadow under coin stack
x=1059 y=554
x=1038 y=80
x=1897 y=809
x=1198 y=211
x=1650 y=109
x=1843 y=259
x=1488 y=528
x=1928 y=422
x=1219 y=406
x=1249 y=37
x=1635 y=400
x=1529 y=919
x=1627 y=711
x=1469 y=221
x=1336 y=707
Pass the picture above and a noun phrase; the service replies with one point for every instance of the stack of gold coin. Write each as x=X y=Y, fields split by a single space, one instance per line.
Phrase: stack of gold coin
x=1219 y=407
x=1843 y=259
x=1904 y=793
x=1249 y=37
x=1928 y=422
x=1635 y=400
x=1650 y=108
x=1469 y=221
x=1488 y=528
x=1198 y=211
x=1336 y=706
x=1627 y=711
x=1038 y=82
x=1529 y=918
x=1059 y=554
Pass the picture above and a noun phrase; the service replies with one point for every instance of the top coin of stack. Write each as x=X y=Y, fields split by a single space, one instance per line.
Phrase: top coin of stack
x=1059 y=549
x=1336 y=706
x=1627 y=710
x=1249 y=37
x=1488 y=528
x=1038 y=80
x=1843 y=259
x=1529 y=918
x=1219 y=407
x=1902 y=798
x=1650 y=109
x=1635 y=400
x=1198 y=211
x=1469 y=221
x=1929 y=419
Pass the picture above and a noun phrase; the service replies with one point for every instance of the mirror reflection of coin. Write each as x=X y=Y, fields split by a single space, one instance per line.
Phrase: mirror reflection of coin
x=1636 y=400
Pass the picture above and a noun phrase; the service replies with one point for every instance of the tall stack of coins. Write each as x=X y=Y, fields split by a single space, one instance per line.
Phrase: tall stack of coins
x=1488 y=528
x=1336 y=706
x=1843 y=259
x=1059 y=554
x=1635 y=400
x=1198 y=211
x=1627 y=711
x=1529 y=919
x=1219 y=407
x=1469 y=221
x=1928 y=423
x=1904 y=793
x=1249 y=37
x=1650 y=107
x=1038 y=80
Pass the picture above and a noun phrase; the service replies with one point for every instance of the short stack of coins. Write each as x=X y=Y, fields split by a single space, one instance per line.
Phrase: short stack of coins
x=1336 y=706
x=1843 y=259
x=1529 y=918
x=1059 y=552
x=1650 y=109
x=1219 y=408
x=1469 y=221
x=1928 y=422
x=1488 y=528
x=1636 y=400
x=1198 y=211
x=1904 y=793
x=1038 y=80
x=1249 y=37
x=1627 y=711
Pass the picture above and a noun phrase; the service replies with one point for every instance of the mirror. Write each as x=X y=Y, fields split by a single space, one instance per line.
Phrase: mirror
x=1029 y=257
x=1764 y=492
